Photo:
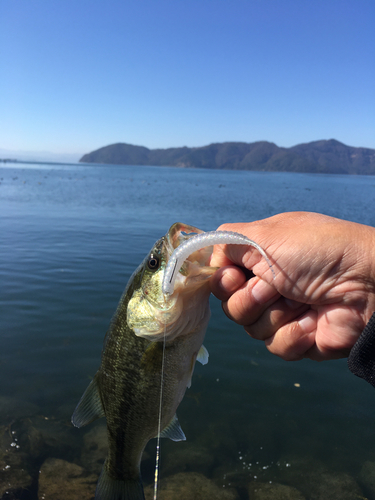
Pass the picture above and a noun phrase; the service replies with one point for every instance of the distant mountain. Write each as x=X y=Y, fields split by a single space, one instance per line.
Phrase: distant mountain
x=315 y=157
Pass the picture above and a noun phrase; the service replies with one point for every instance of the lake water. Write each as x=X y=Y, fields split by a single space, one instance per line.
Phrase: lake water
x=70 y=237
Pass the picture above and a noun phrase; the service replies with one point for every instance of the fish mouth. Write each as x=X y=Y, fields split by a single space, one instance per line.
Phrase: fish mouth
x=156 y=316
x=180 y=232
x=196 y=267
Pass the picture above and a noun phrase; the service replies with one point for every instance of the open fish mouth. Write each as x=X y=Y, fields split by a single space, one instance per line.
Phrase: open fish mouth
x=191 y=250
x=195 y=268
x=179 y=233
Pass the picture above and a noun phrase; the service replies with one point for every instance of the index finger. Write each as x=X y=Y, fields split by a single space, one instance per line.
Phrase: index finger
x=227 y=280
x=242 y=255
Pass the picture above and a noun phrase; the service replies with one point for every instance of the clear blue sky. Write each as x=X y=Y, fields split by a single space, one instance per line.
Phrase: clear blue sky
x=80 y=74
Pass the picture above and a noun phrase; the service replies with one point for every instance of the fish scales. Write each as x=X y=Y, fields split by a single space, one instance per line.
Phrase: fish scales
x=126 y=388
x=130 y=383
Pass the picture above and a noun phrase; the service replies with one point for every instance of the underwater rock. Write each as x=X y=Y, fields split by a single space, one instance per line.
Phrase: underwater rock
x=95 y=448
x=32 y=441
x=273 y=491
x=187 y=457
x=60 y=480
x=316 y=481
x=42 y=437
x=367 y=477
x=298 y=471
x=334 y=485
x=12 y=408
x=15 y=481
x=190 y=486
x=232 y=476
x=24 y=444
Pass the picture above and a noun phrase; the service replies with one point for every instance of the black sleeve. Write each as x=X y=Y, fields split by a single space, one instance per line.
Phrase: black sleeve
x=361 y=359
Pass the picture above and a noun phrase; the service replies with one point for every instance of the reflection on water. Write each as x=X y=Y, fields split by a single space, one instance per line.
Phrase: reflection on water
x=70 y=238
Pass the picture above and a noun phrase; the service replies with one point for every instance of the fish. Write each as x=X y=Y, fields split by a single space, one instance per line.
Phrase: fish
x=148 y=331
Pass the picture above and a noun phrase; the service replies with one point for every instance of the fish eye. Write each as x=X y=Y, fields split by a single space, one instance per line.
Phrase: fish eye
x=153 y=262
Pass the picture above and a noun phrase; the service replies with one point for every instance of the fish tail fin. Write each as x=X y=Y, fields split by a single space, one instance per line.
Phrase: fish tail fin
x=115 y=489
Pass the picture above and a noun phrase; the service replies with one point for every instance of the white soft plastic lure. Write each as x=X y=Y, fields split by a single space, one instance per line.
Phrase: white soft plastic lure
x=197 y=242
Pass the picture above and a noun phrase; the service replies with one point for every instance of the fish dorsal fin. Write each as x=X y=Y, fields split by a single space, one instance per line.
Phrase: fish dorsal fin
x=202 y=355
x=89 y=407
x=173 y=431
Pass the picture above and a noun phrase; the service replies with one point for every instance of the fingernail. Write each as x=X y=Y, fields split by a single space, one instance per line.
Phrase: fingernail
x=308 y=322
x=262 y=292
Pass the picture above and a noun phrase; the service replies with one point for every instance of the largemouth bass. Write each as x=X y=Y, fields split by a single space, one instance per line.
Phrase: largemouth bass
x=126 y=388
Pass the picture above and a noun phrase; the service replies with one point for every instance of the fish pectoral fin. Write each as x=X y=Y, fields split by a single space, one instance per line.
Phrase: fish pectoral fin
x=202 y=355
x=89 y=407
x=173 y=431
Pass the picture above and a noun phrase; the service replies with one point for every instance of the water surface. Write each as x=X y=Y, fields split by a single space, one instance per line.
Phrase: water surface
x=70 y=237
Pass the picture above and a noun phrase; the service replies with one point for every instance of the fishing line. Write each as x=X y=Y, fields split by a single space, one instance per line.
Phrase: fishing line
x=178 y=256
x=156 y=476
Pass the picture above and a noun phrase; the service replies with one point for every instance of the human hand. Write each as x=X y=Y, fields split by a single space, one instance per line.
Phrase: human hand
x=324 y=291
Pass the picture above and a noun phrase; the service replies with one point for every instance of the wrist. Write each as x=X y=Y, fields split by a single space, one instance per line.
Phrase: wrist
x=367 y=263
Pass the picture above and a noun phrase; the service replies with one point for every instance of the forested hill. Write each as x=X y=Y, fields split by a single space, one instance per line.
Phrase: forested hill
x=323 y=156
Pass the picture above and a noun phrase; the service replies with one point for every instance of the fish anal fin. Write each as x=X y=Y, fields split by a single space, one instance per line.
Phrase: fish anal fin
x=89 y=407
x=202 y=355
x=173 y=431
x=116 y=489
